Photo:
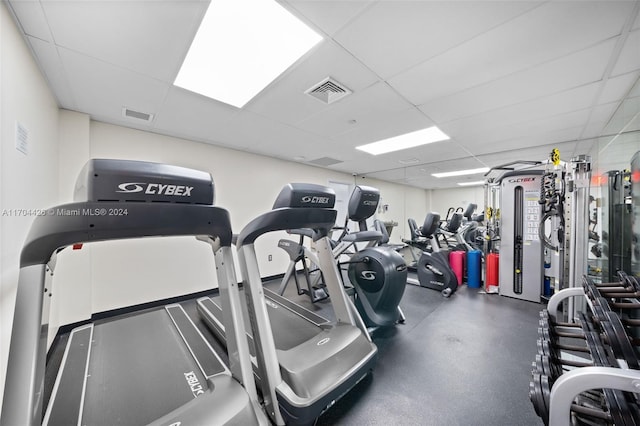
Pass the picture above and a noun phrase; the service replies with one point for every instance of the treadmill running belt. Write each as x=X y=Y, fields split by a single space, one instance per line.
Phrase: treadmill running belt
x=289 y=328
x=68 y=403
x=140 y=369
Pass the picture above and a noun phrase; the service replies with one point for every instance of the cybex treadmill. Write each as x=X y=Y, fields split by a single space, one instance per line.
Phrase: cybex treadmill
x=151 y=368
x=303 y=362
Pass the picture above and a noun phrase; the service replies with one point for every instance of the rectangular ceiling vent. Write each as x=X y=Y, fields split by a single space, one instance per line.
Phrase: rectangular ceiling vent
x=409 y=161
x=325 y=161
x=328 y=91
x=129 y=113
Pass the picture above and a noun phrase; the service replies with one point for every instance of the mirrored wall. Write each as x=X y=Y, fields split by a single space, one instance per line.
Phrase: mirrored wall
x=615 y=190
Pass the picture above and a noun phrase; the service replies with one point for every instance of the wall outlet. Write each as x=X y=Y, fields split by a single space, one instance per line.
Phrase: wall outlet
x=270 y=258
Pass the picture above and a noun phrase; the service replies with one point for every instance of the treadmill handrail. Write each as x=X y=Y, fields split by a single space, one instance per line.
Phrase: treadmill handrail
x=84 y=222
x=321 y=220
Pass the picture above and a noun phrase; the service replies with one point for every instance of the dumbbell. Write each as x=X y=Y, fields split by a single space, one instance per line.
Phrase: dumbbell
x=592 y=407
x=627 y=285
x=615 y=334
x=604 y=405
x=539 y=393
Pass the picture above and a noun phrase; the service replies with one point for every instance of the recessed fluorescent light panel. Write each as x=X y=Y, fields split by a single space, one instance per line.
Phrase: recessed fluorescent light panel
x=241 y=47
x=408 y=140
x=461 y=172
x=474 y=183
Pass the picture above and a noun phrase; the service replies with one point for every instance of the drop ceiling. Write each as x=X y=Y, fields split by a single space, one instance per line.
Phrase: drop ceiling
x=506 y=80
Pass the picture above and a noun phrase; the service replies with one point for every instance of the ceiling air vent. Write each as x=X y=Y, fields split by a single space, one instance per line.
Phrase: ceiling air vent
x=328 y=91
x=129 y=113
x=409 y=161
x=325 y=161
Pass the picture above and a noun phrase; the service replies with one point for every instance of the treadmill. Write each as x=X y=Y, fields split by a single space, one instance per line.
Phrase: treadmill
x=303 y=362
x=154 y=367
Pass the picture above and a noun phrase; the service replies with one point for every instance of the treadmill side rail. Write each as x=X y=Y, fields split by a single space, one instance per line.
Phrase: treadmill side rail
x=237 y=344
x=263 y=339
x=24 y=383
x=66 y=402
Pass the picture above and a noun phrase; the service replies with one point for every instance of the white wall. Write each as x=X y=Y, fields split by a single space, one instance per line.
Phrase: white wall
x=26 y=181
x=72 y=278
x=404 y=202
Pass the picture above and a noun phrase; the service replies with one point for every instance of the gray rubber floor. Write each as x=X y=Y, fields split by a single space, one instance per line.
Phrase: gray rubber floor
x=465 y=360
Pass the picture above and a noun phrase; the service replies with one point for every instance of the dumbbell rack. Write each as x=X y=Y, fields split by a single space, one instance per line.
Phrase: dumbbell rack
x=587 y=371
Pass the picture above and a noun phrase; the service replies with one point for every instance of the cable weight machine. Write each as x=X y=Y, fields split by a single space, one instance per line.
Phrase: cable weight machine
x=543 y=227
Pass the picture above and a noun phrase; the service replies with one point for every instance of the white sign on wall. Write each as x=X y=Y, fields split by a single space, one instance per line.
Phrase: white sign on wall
x=22 y=138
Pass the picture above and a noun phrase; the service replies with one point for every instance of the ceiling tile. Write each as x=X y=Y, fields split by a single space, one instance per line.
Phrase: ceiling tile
x=470 y=139
x=600 y=116
x=187 y=114
x=548 y=106
x=55 y=73
x=626 y=117
x=556 y=76
x=616 y=88
x=435 y=153
x=629 y=59
x=252 y=132
x=511 y=79
x=393 y=124
x=32 y=19
x=539 y=152
x=392 y=36
x=545 y=33
x=102 y=89
x=285 y=100
x=635 y=91
x=420 y=175
x=330 y=15
x=366 y=107
x=150 y=37
x=524 y=142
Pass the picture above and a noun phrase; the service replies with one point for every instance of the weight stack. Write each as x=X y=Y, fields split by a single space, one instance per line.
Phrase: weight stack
x=493 y=271
x=456 y=261
x=474 y=269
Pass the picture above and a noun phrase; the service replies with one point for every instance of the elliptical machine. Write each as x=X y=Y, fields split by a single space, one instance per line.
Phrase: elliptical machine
x=378 y=274
x=314 y=287
x=433 y=268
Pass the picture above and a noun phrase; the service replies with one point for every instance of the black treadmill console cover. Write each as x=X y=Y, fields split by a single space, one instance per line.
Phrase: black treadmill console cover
x=127 y=180
x=430 y=225
x=299 y=205
x=305 y=195
x=363 y=203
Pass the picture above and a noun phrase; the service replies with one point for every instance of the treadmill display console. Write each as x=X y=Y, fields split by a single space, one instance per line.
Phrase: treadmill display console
x=305 y=195
x=127 y=180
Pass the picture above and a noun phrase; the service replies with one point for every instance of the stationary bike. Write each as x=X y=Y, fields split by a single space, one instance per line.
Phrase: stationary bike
x=378 y=274
x=433 y=267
